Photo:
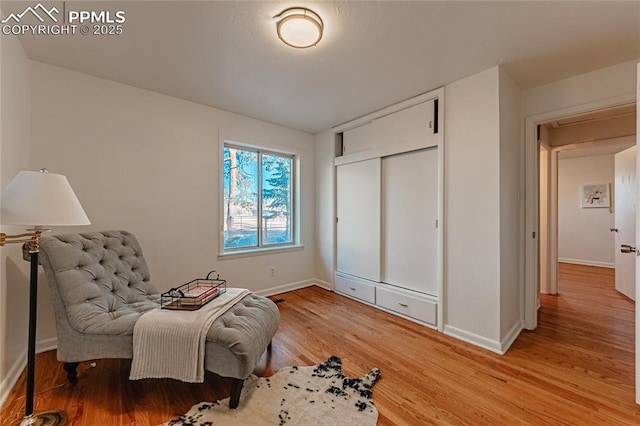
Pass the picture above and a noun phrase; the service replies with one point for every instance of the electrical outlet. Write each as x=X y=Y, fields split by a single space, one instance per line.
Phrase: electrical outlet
x=272 y=271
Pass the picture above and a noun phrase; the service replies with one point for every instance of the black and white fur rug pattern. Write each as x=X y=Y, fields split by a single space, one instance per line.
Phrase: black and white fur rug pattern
x=316 y=395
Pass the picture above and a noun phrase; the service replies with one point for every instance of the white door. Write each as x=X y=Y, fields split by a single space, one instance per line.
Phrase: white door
x=409 y=213
x=625 y=220
x=358 y=227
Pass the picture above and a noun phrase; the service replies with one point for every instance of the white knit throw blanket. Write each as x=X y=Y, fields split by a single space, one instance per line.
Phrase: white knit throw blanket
x=170 y=343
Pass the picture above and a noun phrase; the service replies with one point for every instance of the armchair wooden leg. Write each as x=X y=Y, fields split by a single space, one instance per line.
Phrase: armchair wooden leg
x=72 y=374
x=236 y=390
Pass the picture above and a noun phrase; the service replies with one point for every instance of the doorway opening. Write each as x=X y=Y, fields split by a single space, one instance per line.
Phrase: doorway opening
x=577 y=157
x=549 y=152
x=531 y=293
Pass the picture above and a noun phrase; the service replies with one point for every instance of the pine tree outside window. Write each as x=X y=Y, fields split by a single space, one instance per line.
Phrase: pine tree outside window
x=257 y=198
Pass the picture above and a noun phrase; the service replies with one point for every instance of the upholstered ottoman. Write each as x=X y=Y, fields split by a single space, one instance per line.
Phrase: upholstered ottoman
x=100 y=286
x=237 y=340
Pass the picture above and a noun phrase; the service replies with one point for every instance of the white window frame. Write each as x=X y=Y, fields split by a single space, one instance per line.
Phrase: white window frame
x=268 y=149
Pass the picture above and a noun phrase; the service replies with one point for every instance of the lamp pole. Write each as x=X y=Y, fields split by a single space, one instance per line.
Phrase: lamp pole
x=33 y=307
x=46 y=199
x=31 y=241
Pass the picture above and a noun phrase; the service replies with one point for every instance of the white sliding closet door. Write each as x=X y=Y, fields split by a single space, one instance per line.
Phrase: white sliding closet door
x=409 y=213
x=358 y=227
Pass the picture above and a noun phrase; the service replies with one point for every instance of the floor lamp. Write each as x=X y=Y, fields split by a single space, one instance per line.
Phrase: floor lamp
x=38 y=199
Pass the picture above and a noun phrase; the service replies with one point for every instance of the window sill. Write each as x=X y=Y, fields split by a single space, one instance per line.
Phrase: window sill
x=259 y=252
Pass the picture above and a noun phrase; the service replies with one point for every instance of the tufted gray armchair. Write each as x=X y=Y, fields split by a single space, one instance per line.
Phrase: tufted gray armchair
x=100 y=286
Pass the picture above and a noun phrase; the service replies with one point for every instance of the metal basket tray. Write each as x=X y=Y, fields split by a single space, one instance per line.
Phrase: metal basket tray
x=194 y=294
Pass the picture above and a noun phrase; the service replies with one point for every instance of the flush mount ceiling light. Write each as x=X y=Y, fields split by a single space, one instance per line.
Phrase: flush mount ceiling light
x=299 y=27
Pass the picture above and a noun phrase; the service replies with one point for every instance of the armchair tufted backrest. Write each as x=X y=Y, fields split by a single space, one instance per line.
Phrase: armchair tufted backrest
x=101 y=278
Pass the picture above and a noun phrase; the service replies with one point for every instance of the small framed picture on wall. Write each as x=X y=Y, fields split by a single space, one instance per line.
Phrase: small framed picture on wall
x=595 y=196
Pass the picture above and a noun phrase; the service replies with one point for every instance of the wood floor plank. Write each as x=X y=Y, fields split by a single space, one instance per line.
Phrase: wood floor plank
x=576 y=368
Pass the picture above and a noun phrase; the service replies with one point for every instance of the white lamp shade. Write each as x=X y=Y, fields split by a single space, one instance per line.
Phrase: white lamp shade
x=41 y=199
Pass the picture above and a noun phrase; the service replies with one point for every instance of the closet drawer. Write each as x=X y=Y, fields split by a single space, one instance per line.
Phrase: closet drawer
x=407 y=303
x=355 y=287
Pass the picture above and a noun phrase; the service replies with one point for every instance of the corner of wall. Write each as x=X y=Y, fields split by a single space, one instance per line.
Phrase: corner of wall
x=474 y=338
x=511 y=336
x=325 y=205
x=472 y=161
x=511 y=205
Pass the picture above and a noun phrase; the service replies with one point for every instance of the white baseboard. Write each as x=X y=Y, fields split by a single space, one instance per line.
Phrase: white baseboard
x=323 y=284
x=586 y=262
x=285 y=288
x=295 y=286
x=46 y=345
x=511 y=336
x=492 y=345
x=474 y=339
x=9 y=381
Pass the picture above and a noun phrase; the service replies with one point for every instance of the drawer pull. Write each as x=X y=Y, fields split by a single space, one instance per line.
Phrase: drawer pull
x=352 y=288
x=404 y=305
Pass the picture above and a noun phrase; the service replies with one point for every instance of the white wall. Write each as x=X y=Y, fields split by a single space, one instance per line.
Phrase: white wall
x=607 y=83
x=583 y=234
x=325 y=205
x=14 y=156
x=472 y=209
x=148 y=163
x=511 y=211
x=483 y=187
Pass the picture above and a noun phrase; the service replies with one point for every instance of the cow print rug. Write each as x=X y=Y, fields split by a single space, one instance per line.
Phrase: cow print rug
x=316 y=395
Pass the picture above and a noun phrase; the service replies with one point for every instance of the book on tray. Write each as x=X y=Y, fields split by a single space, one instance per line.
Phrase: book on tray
x=199 y=295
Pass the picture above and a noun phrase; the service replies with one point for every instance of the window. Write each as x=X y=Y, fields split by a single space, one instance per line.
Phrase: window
x=257 y=198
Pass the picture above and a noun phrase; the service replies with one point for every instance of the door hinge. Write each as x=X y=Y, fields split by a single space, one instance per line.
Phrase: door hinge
x=436 y=223
x=533 y=234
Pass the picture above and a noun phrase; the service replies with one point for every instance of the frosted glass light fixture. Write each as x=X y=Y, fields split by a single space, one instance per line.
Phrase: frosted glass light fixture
x=299 y=27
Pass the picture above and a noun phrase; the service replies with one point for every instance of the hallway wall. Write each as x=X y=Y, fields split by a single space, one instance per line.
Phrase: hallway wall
x=583 y=233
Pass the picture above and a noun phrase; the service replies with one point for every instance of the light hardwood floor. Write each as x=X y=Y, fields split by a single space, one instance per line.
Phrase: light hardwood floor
x=577 y=368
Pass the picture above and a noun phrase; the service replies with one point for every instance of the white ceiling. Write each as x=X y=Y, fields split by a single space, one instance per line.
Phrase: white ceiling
x=226 y=53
